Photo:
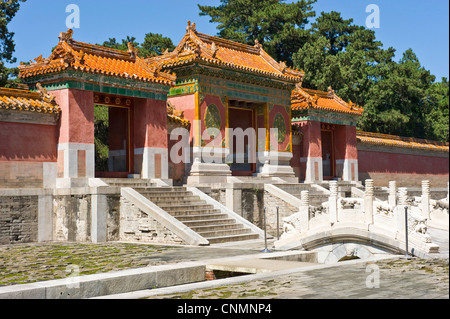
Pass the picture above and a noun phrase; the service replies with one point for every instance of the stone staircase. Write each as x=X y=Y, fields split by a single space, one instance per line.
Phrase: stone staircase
x=189 y=209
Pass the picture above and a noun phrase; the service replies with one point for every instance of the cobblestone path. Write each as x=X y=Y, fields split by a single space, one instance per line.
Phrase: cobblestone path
x=393 y=279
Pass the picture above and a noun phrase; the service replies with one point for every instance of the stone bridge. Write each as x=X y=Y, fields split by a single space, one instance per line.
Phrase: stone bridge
x=364 y=226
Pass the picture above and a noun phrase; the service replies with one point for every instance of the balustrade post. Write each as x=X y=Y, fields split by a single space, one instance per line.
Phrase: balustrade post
x=332 y=202
x=368 y=201
x=392 y=193
x=304 y=210
x=425 y=203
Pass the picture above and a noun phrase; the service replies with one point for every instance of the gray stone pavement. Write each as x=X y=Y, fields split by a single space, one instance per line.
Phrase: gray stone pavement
x=395 y=278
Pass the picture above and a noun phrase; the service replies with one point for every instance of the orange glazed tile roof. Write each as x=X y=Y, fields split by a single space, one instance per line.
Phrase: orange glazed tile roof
x=179 y=120
x=78 y=56
x=22 y=100
x=303 y=99
x=199 y=47
x=399 y=141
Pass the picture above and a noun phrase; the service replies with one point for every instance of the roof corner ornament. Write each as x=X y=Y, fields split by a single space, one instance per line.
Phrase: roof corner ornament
x=47 y=97
x=298 y=85
x=171 y=110
x=66 y=36
x=283 y=66
x=132 y=50
x=330 y=92
x=82 y=57
x=351 y=104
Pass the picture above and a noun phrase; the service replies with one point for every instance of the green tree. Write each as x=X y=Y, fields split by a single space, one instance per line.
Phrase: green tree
x=341 y=55
x=438 y=118
x=123 y=46
x=8 y=10
x=277 y=25
x=400 y=100
x=154 y=43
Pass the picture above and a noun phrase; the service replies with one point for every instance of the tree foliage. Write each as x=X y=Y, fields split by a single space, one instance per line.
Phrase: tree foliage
x=277 y=25
x=154 y=44
x=8 y=10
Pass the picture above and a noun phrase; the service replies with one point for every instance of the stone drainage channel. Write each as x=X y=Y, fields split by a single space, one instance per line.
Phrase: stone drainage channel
x=164 y=279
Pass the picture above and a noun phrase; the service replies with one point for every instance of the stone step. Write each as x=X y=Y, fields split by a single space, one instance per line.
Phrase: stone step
x=217 y=220
x=232 y=238
x=194 y=212
x=231 y=225
x=166 y=194
x=179 y=201
x=224 y=232
x=130 y=182
x=187 y=208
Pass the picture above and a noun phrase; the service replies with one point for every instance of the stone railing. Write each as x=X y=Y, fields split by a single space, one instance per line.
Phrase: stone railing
x=382 y=217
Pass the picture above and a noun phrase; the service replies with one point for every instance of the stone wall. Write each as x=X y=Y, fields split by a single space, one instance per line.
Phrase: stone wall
x=72 y=218
x=136 y=225
x=284 y=210
x=18 y=219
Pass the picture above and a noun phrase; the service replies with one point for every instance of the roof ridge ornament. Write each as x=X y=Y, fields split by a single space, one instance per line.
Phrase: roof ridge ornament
x=330 y=92
x=214 y=49
x=66 y=36
x=258 y=45
x=132 y=50
x=191 y=27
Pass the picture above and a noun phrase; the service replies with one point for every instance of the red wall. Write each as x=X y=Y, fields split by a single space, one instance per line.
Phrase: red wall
x=401 y=163
x=407 y=169
x=28 y=142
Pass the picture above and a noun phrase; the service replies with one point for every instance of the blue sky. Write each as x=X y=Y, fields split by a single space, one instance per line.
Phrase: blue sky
x=420 y=25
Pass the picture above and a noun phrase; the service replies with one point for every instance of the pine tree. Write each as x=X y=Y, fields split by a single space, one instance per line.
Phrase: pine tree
x=277 y=25
x=8 y=10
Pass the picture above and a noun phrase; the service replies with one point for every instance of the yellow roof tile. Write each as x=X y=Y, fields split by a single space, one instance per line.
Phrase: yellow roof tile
x=399 y=141
x=22 y=100
x=199 y=47
x=306 y=98
x=73 y=55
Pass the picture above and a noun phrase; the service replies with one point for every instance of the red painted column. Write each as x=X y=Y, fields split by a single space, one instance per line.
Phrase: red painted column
x=311 y=158
x=76 y=152
x=150 y=138
x=346 y=152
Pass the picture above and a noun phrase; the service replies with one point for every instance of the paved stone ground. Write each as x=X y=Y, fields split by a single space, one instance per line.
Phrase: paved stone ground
x=389 y=279
x=405 y=279
x=28 y=263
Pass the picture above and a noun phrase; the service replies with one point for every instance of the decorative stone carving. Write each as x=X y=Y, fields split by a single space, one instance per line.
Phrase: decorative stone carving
x=384 y=209
x=350 y=203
